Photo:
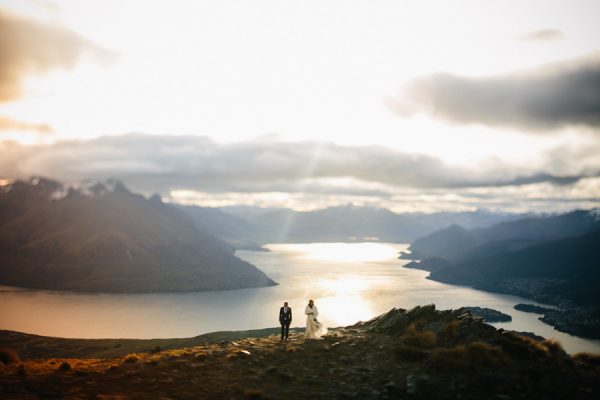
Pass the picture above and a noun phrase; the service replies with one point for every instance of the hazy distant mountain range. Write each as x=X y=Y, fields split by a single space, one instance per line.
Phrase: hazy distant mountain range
x=103 y=238
x=552 y=258
x=335 y=224
x=456 y=242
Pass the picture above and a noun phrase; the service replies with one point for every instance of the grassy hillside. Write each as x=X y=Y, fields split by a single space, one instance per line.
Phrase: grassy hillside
x=422 y=353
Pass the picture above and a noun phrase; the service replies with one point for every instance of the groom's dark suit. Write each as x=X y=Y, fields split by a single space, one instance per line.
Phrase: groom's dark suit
x=285 y=319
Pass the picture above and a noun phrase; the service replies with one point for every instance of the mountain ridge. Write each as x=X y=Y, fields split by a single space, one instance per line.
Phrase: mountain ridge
x=108 y=239
x=503 y=236
x=346 y=223
x=538 y=263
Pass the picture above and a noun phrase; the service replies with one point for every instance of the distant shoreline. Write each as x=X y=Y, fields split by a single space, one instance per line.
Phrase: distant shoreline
x=579 y=321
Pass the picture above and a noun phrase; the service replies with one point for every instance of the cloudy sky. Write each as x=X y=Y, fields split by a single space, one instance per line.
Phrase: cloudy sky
x=410 y=105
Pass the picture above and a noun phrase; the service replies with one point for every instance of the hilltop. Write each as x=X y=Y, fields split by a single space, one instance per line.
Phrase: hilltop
x=422 y=353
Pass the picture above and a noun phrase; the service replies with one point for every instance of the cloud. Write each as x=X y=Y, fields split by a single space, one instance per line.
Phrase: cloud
x=9 y=124
x=165 y=163
x=541 y=100
x=543 y=35
x=30 y=47
x=306 y=175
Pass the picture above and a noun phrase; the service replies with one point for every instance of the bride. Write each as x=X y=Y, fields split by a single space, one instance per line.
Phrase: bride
x=313 y=326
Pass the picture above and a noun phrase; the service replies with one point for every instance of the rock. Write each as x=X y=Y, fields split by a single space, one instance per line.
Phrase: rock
x=155 y=350
x=65 y=366
x=8 y=356
x=389 y=385
x=411 y=384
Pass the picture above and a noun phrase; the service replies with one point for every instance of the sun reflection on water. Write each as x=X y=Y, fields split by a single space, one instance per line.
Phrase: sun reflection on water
x=344 y=310
x=348 y=252
x=342 y=298
x=344 y=286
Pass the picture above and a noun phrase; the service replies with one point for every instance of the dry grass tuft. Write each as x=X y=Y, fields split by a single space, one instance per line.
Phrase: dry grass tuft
x=450 y=331
x=408 y=353
x=253 y=394
x=418 y=324
x=522 y=347
x=472 y=356
x=155 y=350
x=132 y=358
x=553 y=347
x=485 y=354
x=415 y=337
x=8 y=356
x=448 y=359
x=587 y=359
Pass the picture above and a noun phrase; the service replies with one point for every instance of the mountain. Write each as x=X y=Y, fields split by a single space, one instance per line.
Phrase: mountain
x=449 y=243
x=551 y=259
x=457 y=244
x=238 y=232
x=421 y=353
x=351 y=223
x=103 y=238
x=561 y=269
x=543 y=228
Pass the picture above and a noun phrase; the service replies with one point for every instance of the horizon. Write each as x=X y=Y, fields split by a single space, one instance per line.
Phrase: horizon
x=87 y=183
x=412 y=107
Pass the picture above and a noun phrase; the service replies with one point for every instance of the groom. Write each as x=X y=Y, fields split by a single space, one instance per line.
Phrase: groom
x=285 y=319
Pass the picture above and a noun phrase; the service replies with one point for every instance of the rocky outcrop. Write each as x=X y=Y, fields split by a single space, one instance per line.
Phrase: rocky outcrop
x=488 y=314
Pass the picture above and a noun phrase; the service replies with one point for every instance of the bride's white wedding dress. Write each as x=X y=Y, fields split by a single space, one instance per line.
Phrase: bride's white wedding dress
x=313 y=326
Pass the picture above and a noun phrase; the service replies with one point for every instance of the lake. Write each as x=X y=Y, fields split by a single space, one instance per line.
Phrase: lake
x=348 y=281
